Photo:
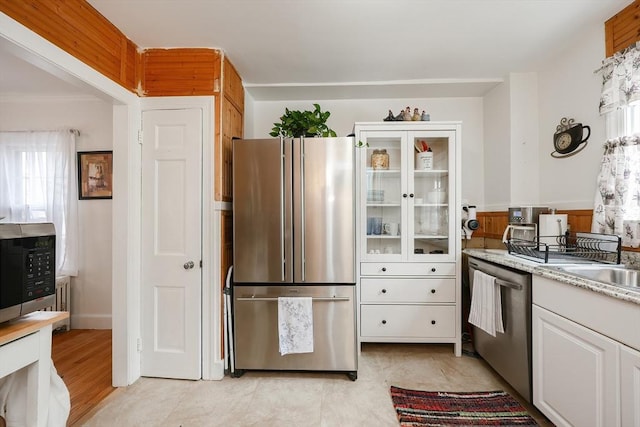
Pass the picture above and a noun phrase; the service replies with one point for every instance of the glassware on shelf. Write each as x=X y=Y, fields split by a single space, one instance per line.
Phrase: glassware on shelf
x=437 y=194
x=374 y=226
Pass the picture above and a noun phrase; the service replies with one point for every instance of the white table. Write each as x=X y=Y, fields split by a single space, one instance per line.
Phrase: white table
x=26 y=342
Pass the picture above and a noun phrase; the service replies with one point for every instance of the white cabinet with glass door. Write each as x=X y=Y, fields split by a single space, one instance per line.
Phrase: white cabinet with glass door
x=409 y=229
x=408 y=193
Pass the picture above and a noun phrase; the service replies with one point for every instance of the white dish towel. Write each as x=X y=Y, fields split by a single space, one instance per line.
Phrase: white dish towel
x=486 y=304
x=295 y=325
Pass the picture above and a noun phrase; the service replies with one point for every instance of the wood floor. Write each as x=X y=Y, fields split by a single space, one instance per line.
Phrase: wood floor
x=83 y=360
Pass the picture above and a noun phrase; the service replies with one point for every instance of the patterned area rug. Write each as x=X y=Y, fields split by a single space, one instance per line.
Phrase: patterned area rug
x=439 y=408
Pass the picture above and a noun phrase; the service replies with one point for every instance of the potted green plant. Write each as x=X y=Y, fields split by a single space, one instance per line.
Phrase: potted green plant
x=295 y=123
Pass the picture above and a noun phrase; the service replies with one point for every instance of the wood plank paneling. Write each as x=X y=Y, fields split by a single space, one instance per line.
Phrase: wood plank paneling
x=492 y=224
x=622 y=29
x=579 y=220
x=233 y=88
x=231 y=126
x=77 y=28
x=179 y=72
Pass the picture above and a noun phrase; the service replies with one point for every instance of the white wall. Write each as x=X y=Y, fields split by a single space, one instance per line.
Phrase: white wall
x=569 y=88
x=91 y=289
x=525 y=172
x=344 y=113
x=497 y=148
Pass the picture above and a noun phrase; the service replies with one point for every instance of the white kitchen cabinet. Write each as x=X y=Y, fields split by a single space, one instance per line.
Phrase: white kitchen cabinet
x=629 y=387
x=574 y=372
x=586 y=363
x=408 y=222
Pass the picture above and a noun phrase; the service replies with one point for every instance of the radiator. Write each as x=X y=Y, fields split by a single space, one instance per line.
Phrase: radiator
x=63 y=302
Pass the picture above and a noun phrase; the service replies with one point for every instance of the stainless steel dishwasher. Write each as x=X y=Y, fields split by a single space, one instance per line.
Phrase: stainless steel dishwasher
x=508 y=353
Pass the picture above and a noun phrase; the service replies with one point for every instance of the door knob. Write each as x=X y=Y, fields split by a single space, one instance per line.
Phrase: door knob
x=188 y=265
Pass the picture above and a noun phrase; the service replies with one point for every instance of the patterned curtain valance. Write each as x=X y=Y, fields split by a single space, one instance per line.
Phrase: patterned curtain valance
x=623 y=141
x=620 y=79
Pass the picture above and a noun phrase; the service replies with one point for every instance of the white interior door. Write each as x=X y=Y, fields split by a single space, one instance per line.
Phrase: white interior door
x=171 y=243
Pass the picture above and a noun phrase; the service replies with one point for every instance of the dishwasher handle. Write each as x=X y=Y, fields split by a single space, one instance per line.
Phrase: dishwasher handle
x=510 y=285
x=500 y=282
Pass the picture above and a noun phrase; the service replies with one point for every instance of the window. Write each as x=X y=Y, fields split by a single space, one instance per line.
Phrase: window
x=38 y=184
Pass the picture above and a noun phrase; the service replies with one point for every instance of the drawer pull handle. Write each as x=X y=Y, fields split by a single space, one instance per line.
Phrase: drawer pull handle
x=384 y=322
x=411 y=195
x=384 y=268
x=433 y=291
x=433 y=270
x=433 y=322
x=384 y=291
x=404 y=195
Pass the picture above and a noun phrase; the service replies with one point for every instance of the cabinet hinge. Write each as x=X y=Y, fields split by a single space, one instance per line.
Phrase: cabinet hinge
x=139 y=345
x=140 y=137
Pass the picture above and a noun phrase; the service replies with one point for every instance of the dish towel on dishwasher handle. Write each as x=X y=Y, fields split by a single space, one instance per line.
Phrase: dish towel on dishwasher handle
x=295 y=325
x=486 y=304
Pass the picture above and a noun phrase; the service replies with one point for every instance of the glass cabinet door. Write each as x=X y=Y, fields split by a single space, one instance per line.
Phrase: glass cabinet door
x=382 y=168
x=431 y=190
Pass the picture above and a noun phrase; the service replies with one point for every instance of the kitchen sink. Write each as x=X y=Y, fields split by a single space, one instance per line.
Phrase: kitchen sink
x=614 y=275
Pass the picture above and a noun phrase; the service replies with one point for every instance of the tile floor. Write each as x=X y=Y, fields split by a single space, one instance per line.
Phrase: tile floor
x=301 y=399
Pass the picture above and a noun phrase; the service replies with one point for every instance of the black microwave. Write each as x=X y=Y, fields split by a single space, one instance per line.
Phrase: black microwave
x=27 y=268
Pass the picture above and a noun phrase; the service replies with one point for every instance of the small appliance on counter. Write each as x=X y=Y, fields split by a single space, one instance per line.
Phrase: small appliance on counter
x=523 y=223
x=551 y=228
x=27 y=268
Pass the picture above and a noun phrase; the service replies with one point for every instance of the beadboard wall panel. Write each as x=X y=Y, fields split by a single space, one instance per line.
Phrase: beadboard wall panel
x=77 y=28
x=622 y=29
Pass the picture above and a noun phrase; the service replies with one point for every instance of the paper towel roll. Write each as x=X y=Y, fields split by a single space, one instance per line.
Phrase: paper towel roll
x=550 y=226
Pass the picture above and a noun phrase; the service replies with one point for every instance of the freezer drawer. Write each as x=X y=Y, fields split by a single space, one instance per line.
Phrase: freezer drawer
x=334 y=330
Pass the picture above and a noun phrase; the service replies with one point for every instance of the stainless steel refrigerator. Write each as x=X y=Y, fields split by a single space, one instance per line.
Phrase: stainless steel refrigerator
x=294 y=236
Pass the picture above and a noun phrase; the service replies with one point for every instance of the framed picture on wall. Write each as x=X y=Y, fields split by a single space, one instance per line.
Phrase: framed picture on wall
x=95 y=175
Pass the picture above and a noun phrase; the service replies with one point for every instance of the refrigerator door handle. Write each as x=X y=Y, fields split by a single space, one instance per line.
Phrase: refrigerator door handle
x=282 y=209
x=302 y=211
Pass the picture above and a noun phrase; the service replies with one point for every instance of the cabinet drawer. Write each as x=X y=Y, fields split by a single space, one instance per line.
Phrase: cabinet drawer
x=408 y=268
x=407 y=321
x=614 y=313
x=393 y=290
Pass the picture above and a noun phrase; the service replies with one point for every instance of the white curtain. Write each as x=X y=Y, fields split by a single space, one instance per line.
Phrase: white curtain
x=620 y=79
x=617 y=198
x=617 y=201
x=38 y=183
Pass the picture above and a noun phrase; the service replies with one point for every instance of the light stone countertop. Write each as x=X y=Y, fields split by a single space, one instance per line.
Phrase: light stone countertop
x=502 y=257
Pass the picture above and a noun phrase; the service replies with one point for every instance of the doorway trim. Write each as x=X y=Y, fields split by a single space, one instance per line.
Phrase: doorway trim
x=29 y=46
x=212 y=365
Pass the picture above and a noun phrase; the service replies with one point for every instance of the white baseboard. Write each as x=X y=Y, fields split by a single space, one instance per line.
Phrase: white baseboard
x=90 y=321
x=216 y=372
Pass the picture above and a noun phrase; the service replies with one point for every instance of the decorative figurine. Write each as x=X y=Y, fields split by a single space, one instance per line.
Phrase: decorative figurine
x=416 y=115
x=400 y=117
x=407 y=114
x=425 y=117
x=389 y=117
